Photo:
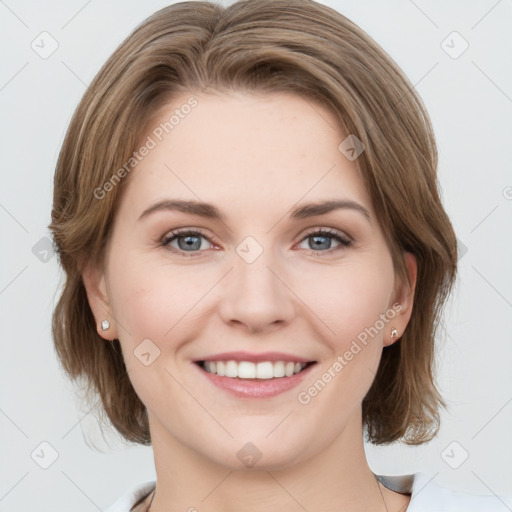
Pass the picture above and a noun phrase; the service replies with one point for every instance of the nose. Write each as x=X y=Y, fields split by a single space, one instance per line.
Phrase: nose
x=256 y=296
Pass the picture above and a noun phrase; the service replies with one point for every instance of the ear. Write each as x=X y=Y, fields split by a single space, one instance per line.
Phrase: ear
x=95 y=287
x=403 y=300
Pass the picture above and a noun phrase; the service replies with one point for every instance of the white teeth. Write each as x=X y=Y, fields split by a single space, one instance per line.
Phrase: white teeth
x=264 y=370
x=246 y=370
x=231 y=369
x=249 y=370
x=279 y=369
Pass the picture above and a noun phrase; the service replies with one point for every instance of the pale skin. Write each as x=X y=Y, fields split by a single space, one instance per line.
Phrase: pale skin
x=255 y=157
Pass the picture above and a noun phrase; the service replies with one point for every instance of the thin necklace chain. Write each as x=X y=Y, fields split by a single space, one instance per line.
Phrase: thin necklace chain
x=152 y=498
x=380 y=490
x=376 y=479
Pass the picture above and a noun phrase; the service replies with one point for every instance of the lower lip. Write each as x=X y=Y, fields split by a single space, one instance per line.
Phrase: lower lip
x=257 y=388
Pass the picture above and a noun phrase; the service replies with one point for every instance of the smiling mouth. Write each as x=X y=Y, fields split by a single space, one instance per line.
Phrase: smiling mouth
x=263 y=370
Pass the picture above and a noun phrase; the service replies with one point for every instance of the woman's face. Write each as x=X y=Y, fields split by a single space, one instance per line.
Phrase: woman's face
x=257 y=278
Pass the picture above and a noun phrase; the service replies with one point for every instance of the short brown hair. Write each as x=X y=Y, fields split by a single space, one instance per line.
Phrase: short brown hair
x=265 y=46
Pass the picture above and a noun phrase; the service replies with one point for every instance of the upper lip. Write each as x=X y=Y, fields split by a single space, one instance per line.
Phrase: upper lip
x=255 y=357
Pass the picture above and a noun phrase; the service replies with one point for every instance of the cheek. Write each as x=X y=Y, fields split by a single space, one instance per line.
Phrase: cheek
x=350 y=298
x=150 y=300
x=356 y=310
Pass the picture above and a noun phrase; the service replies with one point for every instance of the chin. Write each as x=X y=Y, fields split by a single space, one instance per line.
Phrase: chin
x=259 y=455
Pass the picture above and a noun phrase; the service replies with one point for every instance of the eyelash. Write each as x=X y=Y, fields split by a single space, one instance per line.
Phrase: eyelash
x=344 y=240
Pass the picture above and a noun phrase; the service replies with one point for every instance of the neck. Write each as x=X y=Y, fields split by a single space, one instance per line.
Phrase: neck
x=336 y=478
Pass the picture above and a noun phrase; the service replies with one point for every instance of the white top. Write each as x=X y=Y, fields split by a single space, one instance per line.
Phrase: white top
x=426 y=496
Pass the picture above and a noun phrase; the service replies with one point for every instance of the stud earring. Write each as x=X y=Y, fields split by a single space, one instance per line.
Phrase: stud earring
x=394 y=333
x=105 y=325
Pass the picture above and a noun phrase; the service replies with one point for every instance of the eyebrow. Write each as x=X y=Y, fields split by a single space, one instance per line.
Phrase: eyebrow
x=210 y=211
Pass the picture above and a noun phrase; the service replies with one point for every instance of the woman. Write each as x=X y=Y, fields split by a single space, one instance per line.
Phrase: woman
x=247 y=212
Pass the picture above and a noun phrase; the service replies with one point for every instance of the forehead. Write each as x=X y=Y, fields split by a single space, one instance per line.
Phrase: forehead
x=244 y=150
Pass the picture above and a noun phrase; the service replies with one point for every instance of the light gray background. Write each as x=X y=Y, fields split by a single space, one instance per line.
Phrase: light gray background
x=469 y=100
